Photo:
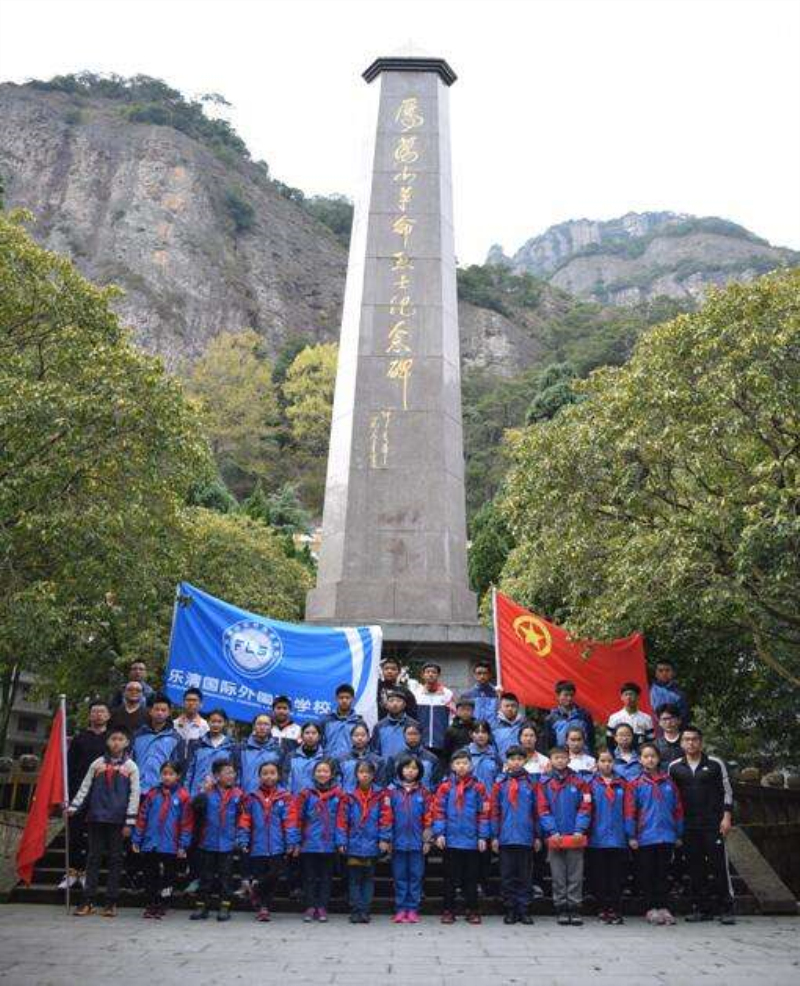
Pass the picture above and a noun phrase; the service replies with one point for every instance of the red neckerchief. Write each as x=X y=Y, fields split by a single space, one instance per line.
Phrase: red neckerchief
x=166 y=799
x=321 y=807
x=654 y=780
x=225 y=795
x=267 y=796
x=608 y=789
x=461 y=787
x=513 y=788
x=365 y=800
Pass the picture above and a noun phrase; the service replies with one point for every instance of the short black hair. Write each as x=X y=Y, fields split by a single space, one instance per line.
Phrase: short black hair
x=345 y=689
x=460 y=755
x=161 y=700
x=528 y=724
x=312 y=724
x=649 y=746
x=465 y=700
x=624 y=725
x=193 y=691
x=217 y=712
x=516 y=751
x=484 y=725
x=281 y=700
x=99 y=701
x=390 y=660
x=121 y=730
x=432 y=664
x=482 y=664
x=509 y=697
x=692 y=729
x=412 y=725
x=575 y=729
x=407 y=758
x=559 y=749
x=360 y=725
x=630 y=686
x=171 y=765
x=670 y=709
x=365 y=763
x=666 y=662
x=565 y=685
x=270 y=763
x=218 y=765
x=328 y=762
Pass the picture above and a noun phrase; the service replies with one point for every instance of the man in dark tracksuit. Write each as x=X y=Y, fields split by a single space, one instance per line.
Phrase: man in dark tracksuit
x=84 y=748
x=707 y=799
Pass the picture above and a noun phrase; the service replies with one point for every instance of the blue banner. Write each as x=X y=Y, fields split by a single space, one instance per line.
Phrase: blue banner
x=241 y=661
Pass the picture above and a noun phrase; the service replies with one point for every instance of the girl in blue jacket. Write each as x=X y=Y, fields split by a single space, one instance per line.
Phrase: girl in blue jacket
x=264 y=835
x=365 y=828
x=654 y=826
x=162 y=835
x=627 y=764
x=486 y=765
x=431 y=768
x=215 y=745
x=359 y=753
x=410 y=802
x=259 y=748
x=299 y=766
x=608 y=845
x=313 y=835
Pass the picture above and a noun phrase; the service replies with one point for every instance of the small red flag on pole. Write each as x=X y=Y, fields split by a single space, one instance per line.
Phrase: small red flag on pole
x=50 y=793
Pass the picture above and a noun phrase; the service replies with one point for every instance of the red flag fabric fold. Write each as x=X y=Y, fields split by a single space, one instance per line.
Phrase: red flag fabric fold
x=50 y=793
x=533 y=654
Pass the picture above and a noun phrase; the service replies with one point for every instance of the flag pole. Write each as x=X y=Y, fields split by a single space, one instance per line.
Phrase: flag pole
x=62 y=701
x=496 y=639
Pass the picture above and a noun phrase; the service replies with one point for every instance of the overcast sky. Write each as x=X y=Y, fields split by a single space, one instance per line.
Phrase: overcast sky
x=562 y=109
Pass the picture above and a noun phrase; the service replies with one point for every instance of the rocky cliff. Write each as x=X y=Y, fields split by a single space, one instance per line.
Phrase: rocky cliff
x=641 y=256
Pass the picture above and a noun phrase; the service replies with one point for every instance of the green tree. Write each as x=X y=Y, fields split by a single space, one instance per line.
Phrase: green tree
x=308 y=391
x=490 y=543
x=671 y=494
x=233 y=383
x=98 y=448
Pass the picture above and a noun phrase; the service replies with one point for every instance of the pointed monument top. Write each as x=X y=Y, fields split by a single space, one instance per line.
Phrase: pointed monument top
x=411 y=63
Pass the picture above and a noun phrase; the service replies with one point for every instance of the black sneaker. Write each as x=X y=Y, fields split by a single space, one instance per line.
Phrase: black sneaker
x=224 y=912
x=355 y=918
x=563 y=918
x=200 y=914
x=509 y=918
x=727 y=918
x=614 y=918
x=576 y=919
x=525 y=919
x=695 y=917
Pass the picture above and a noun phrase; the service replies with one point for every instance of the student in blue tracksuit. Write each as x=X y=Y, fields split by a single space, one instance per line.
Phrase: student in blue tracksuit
x=461 y=830
x=507 y=724
x=263 y=834
x=666 y=691
x=607 y=857
x=654 y=826
x=157 y=743
x=486 y=764
x=337 y=726
x=110 y=793
x=217 y=811
x=358 y=753
x=564 y=715
x=626 y=758
x=387 y=736
x=435 y=707
x=214 y=745
x=483 y=692
x=564 y=803
x=515 y=834
x=259 y=748
x=298 y=767
x=313 y=836
x=161 y=836
x=431 y=766
x=411 y=838
x=364 y=828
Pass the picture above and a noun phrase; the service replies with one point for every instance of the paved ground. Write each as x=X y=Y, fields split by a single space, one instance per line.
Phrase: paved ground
x=41 y=946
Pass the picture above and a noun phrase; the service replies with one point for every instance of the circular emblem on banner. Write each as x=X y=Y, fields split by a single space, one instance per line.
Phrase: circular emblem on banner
x=252 y=648
x=534 y=633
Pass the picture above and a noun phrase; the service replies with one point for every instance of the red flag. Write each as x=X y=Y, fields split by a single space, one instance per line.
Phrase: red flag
x=50 y=793
x=532 y=655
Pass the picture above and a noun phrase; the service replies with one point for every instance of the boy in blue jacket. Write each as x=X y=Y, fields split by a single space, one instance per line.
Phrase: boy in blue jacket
x=217 y=811
x=411 y=838
x=608 y=843
x=515 y=834
x=666 y=691
x=507 y=724
x=483 y=691
x=364 y=828
x=110 y=793
x=299 y=765
x=157 y=743
x=263 y=835
x=313 y=836
x=161 y=836
x=359 y=753
x=387 y=736
x=337 y=726
x=461 y=830
x=654 y=826
x=567 y=713
x=564 y=803
x=431 y=767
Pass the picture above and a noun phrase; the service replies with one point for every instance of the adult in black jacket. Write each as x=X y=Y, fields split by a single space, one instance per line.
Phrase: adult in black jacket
x=84 y=748
x=707 y=798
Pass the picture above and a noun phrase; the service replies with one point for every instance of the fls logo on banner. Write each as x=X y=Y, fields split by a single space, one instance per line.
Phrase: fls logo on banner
x=252 y=648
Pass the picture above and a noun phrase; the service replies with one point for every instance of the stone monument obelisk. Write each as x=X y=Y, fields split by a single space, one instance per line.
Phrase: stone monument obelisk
x=394 y=529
